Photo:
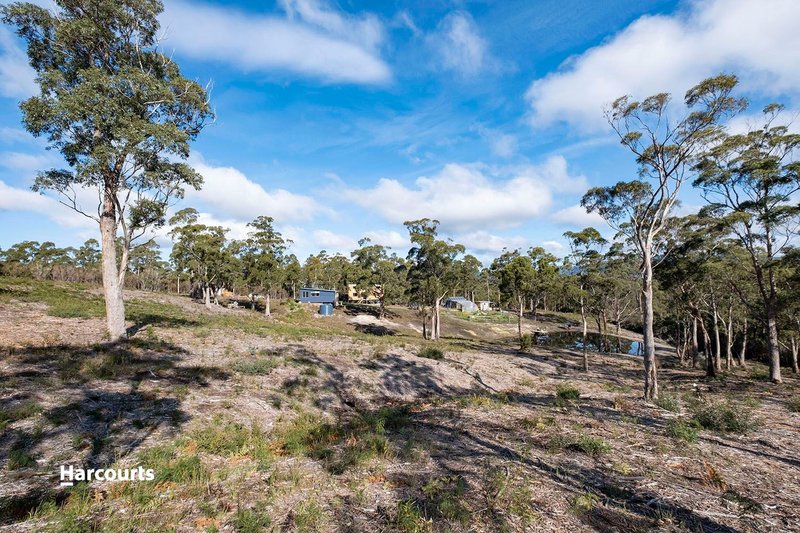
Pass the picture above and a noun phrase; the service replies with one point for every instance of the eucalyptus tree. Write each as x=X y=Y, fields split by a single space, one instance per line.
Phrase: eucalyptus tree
x=147 y=266
x=431 y=273
x=586 y=255
x=119 y=112
x=665 y=145
x=618 y=284
x=751 y=181
x=468 y=272
x=378 y=273
x=545 y=267
x=200 y=251
x=292 y=274
x=262 y=257
x=517 y=277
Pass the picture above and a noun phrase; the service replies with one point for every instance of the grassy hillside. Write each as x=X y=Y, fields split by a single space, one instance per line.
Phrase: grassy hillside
x=302 y=423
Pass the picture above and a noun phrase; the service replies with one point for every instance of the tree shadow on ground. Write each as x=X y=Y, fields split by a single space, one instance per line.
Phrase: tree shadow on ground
x=163 y=321
x=88 y=406
x=353 y=309
x=375 y=329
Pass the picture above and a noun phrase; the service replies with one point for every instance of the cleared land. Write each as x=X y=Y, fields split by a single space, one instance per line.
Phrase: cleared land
x=309 y=424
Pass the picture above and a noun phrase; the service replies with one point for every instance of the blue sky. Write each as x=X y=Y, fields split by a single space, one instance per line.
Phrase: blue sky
x=342 y=119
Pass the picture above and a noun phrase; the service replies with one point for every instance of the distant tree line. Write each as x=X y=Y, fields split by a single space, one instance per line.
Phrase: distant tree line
x=722 y=282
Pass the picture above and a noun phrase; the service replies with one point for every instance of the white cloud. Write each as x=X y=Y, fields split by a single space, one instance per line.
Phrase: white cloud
x=555 y=174
x=333 y=242
x=482 y=241
x=316 y=41
x=501 y=144
x=231 y=193
x=755 y=40
x=366 y=30
x=16 y=75
x=24 y=200
x=27 y=163
x=391 y=239
x=470 y=197
x=460 y=45
x=576 y=216
x=554 y=247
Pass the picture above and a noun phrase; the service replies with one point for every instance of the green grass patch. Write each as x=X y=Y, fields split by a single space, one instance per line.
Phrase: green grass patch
x=431 y=352
x=566 y=394
x=668 y=402
x=793 y=405
x=20 y=411
x=726 y=417
x=583 y=503
x=445 y=496
x=409 y=518
x=227 y=439
x=588 y=444
x=251 y=520
x=260 y=366
x=308 y=517
x=682 y=430
x=19 y=459
x=348 y=442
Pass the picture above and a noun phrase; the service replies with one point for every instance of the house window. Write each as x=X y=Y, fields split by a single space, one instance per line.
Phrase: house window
x=314 y=294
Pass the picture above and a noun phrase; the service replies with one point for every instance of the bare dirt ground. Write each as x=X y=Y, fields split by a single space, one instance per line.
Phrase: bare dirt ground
x=343 y=427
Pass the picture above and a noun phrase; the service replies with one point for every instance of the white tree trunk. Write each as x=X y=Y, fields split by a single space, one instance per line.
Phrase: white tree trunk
x=267 y=311
x=112 y=289
x=743 y=351
x=648 y=337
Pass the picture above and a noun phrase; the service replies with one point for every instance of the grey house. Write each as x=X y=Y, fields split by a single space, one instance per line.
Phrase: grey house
x=460 y=303
x=311 y=295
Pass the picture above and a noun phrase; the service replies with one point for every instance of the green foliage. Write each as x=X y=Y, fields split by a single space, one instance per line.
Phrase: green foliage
x=308 y=517
x=590 y=445
x=18 y=458
x=587 y=444
x=251 y=520
x=430 y=352
x=445 y=496
x=20 y=411
x=668 y=402
x=526 y=342
x=725 y=417
x=682 y=430
x=226 y=438
x=793 y=404
x=583 y=503
x=408 y=518
x=349 y=443
x=566 y=394
x=260 y=366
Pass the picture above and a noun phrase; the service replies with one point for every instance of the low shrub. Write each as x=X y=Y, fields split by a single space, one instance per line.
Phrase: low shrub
x=668 y=403
x=726 y=417
x=590 y=445
x=526 y=342
x=566 y=394
x=794 y=405
x=431 y=352
x=255 y=367
x=682 y=430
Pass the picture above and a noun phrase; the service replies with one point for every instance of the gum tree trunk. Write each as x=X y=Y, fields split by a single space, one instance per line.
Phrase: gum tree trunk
x=743 y=351
x=585 y=329
x=112 y=284
x=648 y=337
